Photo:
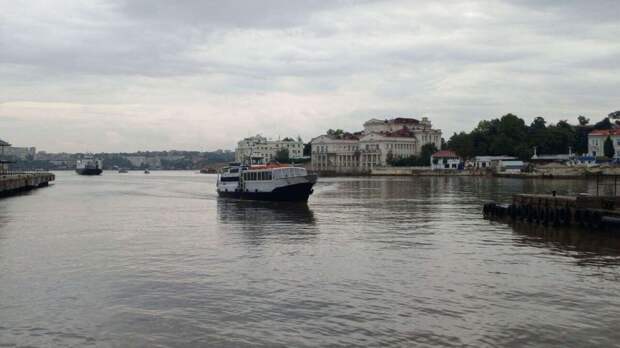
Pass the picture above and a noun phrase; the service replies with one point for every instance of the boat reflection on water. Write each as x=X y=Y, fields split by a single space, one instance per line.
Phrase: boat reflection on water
x=262 y=220
x=587 y=247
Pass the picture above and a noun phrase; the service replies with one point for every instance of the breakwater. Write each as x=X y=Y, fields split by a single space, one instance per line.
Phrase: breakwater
x=18 y=182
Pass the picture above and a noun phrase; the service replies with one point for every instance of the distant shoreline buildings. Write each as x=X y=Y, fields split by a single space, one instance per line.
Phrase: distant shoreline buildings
x=373 y=147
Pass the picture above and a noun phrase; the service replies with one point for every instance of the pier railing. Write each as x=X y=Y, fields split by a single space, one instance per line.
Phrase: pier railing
x=22 y=172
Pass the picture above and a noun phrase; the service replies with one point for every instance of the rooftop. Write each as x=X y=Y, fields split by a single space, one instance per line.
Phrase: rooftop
x=605 y=132
x=445 y=154
x=4 y=143
x=346 y=136
x=405 y=120
x=560 y=157
x=402 y=133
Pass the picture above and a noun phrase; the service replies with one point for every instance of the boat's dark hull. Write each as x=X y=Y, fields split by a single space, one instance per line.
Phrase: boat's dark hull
x=89 y=171
x=292 y=193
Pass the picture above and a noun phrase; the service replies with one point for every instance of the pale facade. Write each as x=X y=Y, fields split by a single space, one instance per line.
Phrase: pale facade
x=445 y=159
x=330 y=153
x=422 y=130
x=3 y=164
x=380 y=140
x=22 y=153
x=259 y=146
x=596 y=142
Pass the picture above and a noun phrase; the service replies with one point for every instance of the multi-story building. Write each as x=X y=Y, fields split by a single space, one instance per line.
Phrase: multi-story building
x=596 y=141
x=374 y=146
x=261 y=147
x=3 y=162
x=21 y=153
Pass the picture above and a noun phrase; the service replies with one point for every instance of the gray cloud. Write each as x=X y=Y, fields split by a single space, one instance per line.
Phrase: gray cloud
x=196 y=74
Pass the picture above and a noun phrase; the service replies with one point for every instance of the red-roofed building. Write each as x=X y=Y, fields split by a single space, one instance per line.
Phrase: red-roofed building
x=596 y=141
x=445 y=159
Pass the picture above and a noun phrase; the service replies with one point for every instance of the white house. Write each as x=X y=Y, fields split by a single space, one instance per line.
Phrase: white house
x=596 y=141
x=481 y=162
x=261 y=147
x=445 y=159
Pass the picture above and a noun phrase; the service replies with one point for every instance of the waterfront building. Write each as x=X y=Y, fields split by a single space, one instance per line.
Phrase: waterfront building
x=445 y=159
x=21 y=153
x=482 y=162
x=152 y=162
x=380 y=141
x=596 y=141
x=3 y=162
x=265 y=149
x=510 y=166
x=558 y=158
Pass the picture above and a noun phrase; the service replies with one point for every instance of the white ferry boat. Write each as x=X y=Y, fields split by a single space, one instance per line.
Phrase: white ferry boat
x=269 y=182
x=89 y=166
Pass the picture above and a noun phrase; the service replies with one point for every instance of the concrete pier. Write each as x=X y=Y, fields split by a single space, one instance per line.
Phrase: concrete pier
x=17 y=182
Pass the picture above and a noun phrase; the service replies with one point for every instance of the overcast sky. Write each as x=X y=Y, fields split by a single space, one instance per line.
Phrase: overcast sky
x=128 y=75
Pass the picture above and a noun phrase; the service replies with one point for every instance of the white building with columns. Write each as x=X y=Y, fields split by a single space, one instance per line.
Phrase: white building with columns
x=259 y=146
x=380 y=140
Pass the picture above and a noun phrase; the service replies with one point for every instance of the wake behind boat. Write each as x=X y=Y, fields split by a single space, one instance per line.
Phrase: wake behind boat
x=269 y=182
x=89 y=165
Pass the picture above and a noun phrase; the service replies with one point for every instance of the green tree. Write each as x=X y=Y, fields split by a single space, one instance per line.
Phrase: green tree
x=389 y=158
x=307 y=149
x=608 y=148
x=463 y=144
x=426 y=152
x=583 y=120
x=335 y=133
x=282 y=156
x=603 y=124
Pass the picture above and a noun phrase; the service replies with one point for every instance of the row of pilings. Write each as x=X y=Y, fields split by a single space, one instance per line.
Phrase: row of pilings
x=592 y=219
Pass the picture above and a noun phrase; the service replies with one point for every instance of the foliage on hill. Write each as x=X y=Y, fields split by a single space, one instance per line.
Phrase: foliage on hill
x=423 y=160
x=510 y=135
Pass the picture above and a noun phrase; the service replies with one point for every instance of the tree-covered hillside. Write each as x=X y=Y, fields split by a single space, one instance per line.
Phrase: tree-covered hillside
x=510 y=135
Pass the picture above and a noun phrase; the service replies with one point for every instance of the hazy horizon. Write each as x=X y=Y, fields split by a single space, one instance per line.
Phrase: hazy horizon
x=129 y=75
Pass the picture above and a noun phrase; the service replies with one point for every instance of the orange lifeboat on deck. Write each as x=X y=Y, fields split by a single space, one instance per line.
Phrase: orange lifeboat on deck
x=269 y=166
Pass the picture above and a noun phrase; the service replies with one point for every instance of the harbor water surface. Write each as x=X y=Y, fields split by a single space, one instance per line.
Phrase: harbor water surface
x=159 y=260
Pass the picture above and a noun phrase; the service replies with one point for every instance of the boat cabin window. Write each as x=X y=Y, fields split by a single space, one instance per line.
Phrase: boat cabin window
x=289 y=172
x=229 y=178
x=257 y=176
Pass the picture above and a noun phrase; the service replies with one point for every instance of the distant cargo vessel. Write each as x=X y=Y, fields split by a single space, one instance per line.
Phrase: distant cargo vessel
x=89 y=166
x=269 y=182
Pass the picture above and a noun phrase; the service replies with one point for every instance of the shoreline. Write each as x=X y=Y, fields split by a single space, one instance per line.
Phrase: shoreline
x=429 y=173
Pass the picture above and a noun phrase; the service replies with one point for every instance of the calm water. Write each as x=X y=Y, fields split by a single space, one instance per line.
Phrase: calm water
x=158 y=260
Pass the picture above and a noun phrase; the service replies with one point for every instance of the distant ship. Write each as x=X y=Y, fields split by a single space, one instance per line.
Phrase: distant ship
x=269 y=182
x=89 y=166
